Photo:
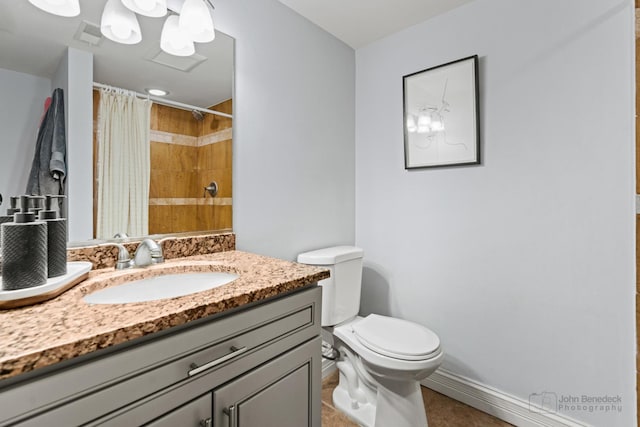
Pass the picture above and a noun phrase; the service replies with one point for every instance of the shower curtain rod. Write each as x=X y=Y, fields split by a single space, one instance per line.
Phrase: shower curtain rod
x=166 y=101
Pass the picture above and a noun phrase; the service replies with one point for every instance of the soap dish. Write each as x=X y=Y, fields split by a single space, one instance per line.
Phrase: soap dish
x=77 y=271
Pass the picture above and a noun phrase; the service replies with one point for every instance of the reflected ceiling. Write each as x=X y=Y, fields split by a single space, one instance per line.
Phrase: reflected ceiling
x=33 y=42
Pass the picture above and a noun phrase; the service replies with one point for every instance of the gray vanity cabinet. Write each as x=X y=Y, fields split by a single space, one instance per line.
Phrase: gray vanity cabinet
x=279 y=393
x=193 y=414
x=259 y=366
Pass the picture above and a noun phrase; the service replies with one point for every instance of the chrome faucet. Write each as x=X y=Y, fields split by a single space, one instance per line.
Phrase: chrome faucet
x=124 y=258
x=147 y=253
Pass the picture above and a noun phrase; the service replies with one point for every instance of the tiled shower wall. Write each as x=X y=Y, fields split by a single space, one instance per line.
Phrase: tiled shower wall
x=214 y=164
x=186 y=155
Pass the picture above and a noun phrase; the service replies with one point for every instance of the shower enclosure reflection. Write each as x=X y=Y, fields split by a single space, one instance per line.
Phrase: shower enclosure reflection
x=189 y=149
x=122 y=169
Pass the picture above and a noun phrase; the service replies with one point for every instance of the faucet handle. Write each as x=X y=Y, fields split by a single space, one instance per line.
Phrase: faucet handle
x=148 y=252
x=156 y=255
x=124 y=258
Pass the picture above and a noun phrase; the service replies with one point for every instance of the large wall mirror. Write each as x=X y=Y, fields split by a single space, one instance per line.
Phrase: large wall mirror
x=189 y=148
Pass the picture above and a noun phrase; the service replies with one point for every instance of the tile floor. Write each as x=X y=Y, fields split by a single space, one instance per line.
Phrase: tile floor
x=441 y=410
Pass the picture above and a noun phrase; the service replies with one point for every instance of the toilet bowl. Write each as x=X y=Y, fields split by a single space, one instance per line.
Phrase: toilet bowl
x=381 y=360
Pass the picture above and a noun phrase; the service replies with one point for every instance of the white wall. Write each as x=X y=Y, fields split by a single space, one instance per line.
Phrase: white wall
x=19 y=122
x=524 y=266
x=293 y=152
x=79 y=103
x=75 y=76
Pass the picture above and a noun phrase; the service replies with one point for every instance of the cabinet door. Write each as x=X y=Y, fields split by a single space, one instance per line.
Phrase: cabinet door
x=284 y=392
x=196 y=413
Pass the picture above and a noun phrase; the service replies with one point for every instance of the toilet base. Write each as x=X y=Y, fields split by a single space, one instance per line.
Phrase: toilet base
x=395 y=403
x=362 y=413
x=399 y=403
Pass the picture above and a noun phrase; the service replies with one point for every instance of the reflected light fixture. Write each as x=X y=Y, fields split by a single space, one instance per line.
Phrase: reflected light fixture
x=428 y=120
x=196 y=21
x=175 y=41
x=424 y=120
x=411 y=123
x=152 y=8
x=67 y=8
x=120 y=24
x=189 y=21
x=157 y=92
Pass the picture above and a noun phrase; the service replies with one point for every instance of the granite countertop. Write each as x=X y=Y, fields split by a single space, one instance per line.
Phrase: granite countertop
x=67 y=327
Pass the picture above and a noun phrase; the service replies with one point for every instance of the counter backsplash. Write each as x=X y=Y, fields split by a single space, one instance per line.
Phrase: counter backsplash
x=104 y=255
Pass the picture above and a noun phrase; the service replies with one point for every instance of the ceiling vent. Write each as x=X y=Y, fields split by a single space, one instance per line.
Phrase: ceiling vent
x=181 y=63
x=89 y=33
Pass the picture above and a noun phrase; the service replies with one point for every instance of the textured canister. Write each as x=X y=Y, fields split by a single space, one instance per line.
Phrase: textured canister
x=57 y=237
x=24 y=255
x=57 y=247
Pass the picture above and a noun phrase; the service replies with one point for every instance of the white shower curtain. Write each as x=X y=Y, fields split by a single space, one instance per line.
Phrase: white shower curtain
x=123 y=164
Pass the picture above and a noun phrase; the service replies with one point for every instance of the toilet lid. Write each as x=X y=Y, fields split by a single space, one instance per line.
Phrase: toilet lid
x=396 y=338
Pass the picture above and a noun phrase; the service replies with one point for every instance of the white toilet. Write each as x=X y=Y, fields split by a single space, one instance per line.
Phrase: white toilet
x=381 y=359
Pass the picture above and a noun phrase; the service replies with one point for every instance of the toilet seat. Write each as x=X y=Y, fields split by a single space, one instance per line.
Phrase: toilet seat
x=398 y=362
x=397 y=338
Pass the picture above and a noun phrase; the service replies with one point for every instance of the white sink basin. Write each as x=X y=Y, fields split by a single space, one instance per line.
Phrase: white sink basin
x=160 y=287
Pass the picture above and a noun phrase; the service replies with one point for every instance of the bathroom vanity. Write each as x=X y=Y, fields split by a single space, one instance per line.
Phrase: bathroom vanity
x=244 y=354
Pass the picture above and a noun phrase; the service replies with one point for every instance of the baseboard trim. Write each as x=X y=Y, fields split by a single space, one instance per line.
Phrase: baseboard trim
x=503 y=406
x=328 y=367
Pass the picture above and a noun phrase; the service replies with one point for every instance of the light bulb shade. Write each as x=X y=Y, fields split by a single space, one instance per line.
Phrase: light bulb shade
x=152 y=8
x=196 y=21
x=120 y=24
x=173 y=40
x=66 y=8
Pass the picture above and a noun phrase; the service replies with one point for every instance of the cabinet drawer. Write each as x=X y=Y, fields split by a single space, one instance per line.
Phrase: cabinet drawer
x=194 y=414
x=99 y=386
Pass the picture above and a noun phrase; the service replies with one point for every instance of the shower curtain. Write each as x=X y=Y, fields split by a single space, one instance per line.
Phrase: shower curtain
x=123 y=164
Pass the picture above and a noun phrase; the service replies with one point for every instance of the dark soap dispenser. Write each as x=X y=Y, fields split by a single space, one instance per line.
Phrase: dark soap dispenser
x=24 y=250
x=11 y=210
x=56 y=238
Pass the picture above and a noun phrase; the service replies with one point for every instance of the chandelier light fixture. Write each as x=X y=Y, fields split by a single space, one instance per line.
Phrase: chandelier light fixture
x=120 y=24
x=174 y=40
x=151 y=8
x=188 y=21
x=196 y=21
x=67 y=8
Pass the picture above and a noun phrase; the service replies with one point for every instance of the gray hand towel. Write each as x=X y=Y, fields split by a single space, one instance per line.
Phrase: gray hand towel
x=49 y=170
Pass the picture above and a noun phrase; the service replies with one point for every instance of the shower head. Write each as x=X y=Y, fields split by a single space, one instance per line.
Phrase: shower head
x=197 y=115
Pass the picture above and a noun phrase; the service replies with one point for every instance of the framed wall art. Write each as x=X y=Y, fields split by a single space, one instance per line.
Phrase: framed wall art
x=441 y=115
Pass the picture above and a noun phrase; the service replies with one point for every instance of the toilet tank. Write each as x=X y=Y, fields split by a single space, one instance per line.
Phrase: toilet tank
x=341 y=291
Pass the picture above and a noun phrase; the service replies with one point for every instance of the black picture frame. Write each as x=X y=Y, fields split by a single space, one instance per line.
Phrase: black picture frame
x=441 y=115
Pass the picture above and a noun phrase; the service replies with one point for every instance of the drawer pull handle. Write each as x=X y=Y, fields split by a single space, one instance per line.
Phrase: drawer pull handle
x=206 y=423
x=235 y=351
x=231 y=413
